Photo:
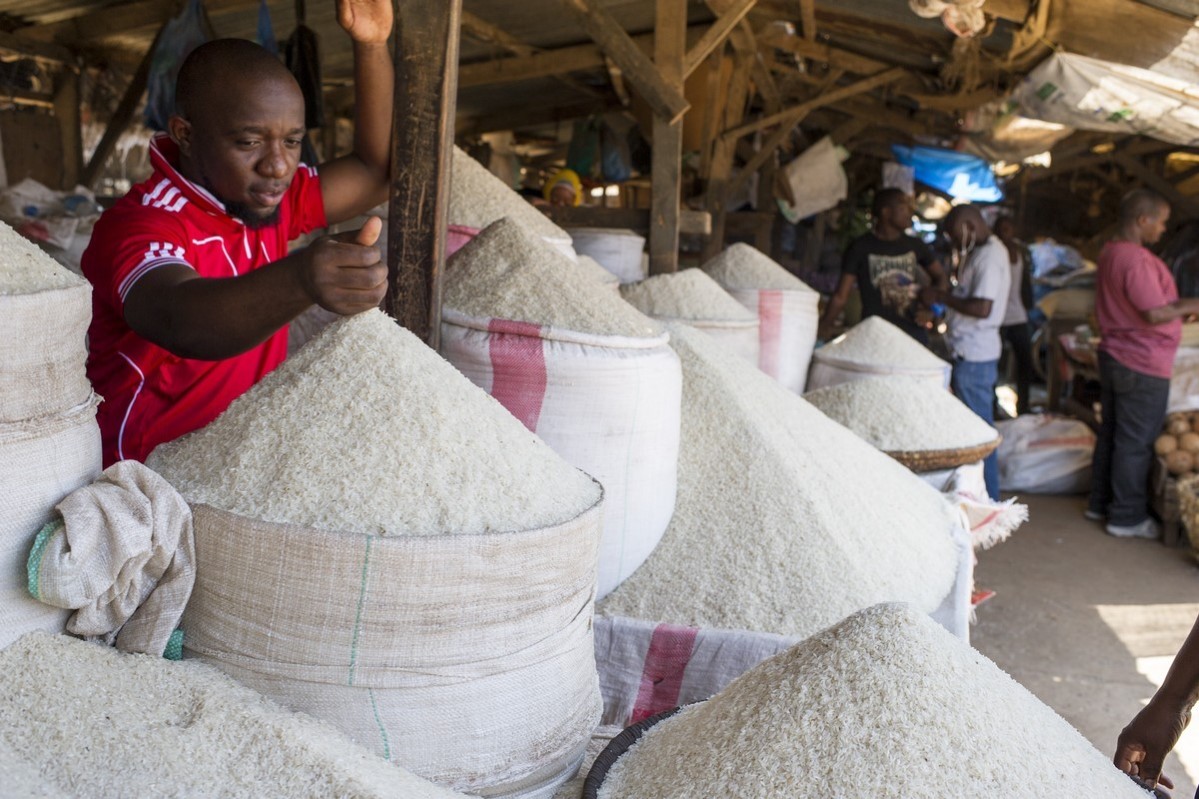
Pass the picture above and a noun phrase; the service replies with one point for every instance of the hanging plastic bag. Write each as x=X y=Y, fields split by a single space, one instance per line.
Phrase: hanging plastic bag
x=301 y=51
x=585 y=148
x=179 y=37
x=617 y=162
x=266 y=30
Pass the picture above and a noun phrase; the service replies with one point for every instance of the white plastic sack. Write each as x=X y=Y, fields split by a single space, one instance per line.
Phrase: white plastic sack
x=646 y=667
x=467 y=659
x=608 y=405
x=1184 y=384
x=1045 y=454
x=816 y=179
x=787 y=323
x=42 y=352
x=41 y=461
x=617 y=250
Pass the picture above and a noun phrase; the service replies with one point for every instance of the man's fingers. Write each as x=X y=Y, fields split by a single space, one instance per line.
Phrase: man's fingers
x=1128 y=758
x=369 y=233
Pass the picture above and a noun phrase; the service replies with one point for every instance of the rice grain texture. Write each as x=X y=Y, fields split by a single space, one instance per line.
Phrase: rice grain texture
x=741 y=266
x=688 y=295
x=903 y=414
x=884 y=704
x=478 y=198
x=95 y=723
x=596 y=271
x=875 y=341
x=26 y=269
x=506 y=272
x=785 y=521
x=368 y=430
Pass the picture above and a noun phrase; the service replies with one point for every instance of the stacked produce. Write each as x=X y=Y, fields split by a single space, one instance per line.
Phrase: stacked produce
x=145 y=726
x=741 y=266
x=478 y=198
x=691 y=296
x=437 y=560
x=49 y=440
x=1179 y=443
x=903 y=414
x=587 y=372
x=596 y=271
x=872 y=348
x=786 y=522
x=885 y=703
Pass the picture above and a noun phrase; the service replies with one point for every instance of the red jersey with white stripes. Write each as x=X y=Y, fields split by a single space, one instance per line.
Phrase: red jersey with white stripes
x=150 y=395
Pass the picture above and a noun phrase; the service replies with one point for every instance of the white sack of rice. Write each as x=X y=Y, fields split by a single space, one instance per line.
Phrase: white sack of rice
x=689 y=295
x=596 y=271
x=478 y=198
x=368 y=430
x=903 y=414
x=785 y=521
x=506 y=272
x=95 y=723
x=27 y=269
x=875 y=341
x=884 y=704
x=741 y=266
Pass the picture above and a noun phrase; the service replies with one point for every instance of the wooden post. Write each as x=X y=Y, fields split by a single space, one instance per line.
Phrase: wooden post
x=724 y=153
x=422 y=138
x=670 y=43
x=66 y=109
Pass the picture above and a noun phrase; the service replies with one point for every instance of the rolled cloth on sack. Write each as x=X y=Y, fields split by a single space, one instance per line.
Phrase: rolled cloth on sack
x=609 y=405
x=44 y=314
x=121 y=556
x=457 y=657
x=41 y=461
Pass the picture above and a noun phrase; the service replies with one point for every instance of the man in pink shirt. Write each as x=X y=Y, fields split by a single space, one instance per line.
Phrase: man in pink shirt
x=1140 y=322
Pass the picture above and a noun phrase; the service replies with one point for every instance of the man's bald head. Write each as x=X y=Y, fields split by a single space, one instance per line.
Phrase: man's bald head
x=221 y=71
x=966 y=226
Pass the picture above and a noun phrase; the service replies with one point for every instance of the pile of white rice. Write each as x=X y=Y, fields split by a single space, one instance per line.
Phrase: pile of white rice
x=877 y=342
x=886 y=703
x=596 y=271
x=368 y=430
x=26 y=269
x=741 y=266
x=785 y=521
x=903 y=414
x=478 y=198
x=508 y=273
x=83 y=720
x=688 y=295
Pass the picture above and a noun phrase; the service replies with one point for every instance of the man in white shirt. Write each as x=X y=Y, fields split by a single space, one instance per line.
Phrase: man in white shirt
x=976 y=308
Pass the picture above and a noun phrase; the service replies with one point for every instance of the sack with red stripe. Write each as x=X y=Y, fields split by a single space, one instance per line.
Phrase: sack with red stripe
x=787 y=322
x=609 y=405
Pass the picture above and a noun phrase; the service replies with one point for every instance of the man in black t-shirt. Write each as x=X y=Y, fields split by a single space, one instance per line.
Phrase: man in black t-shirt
x=889 y=268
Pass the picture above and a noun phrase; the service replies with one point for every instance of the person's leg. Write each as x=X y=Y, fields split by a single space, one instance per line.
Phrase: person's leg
x=1141 y=409
x=973 y=383
x=1021 y=342
x=1101 y=458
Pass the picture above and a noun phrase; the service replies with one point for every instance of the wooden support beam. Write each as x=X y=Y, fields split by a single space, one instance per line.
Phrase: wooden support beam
x=823 y=53
x=637 y=67
x=698 y=223
x=422 y=138
x=522 y=117
x=1183 y=205
x=670 y=43
x=717 y=92
x=539 y=65
x=46 y=51
x=121 y=117
x=484 y=31
x=66 y=110
x=807 y=19
x=724 y=151
x=715 y=35
x=788 y=118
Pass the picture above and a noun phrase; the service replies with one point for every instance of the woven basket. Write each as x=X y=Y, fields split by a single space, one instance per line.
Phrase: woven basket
x=1187 y=489
x=934 y=460
x=617 y=747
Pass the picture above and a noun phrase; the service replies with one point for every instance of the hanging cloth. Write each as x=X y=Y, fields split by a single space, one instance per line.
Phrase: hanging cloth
x=301 y=52
x=179 y=37
x=266 y=31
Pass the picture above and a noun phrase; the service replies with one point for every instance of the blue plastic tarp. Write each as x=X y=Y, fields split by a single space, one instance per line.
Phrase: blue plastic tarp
x=960 y=175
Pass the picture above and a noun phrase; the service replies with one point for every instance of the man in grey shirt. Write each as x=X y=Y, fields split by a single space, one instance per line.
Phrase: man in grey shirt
x=976 y=307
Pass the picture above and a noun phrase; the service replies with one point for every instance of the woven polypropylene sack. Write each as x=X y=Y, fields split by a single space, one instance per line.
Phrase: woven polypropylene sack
x=617 y=250
x=787 y=323
x=42 y=352
x=41 y=461
x=608 y=405
x=826 y=371
x=467 y=659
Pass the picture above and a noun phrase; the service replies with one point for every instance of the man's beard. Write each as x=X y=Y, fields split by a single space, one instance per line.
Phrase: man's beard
x=251 y=220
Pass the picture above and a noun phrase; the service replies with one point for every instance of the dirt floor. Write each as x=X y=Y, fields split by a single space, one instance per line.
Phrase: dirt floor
x=1087 y=622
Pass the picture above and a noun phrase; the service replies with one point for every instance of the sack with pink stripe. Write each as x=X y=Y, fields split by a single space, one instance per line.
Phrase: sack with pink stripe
x=787 y=331
x=609 y=405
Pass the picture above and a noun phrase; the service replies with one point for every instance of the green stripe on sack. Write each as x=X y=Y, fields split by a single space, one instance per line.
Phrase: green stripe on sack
x=174 y=648
x=379 y=723
x=33 y=566
x=366 y=560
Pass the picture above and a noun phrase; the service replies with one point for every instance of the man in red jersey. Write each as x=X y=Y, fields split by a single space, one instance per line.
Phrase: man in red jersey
x=193 y=283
